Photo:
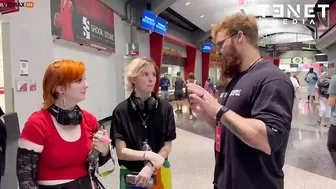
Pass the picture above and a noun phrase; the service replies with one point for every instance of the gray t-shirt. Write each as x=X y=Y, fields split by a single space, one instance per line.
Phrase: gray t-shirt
x=179 y=84
x=332 y=91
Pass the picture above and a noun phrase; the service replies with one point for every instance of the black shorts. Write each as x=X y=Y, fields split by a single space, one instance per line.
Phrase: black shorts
x=178 y=96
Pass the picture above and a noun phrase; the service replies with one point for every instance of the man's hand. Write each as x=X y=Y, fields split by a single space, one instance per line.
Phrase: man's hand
x=144 y=176
x=202 y=102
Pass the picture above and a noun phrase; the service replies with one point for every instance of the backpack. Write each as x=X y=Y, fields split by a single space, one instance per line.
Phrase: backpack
x=323 y=86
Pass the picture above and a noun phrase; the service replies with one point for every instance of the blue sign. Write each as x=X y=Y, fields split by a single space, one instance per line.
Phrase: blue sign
x=148 y=20
x=207 y=47
x=161 y=26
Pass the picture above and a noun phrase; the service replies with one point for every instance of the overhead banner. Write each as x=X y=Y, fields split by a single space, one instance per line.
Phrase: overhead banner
x=282 y=47
x=87 y=22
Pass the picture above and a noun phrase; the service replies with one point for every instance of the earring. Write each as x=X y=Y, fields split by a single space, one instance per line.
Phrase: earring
x=63 y=103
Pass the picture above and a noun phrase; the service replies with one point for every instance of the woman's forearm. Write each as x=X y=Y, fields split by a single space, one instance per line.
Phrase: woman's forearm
x=131 y=155
x=166 y=149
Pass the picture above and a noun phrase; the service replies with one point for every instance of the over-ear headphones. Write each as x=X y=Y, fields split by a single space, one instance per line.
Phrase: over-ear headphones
x=67 y=117
x=138 y=104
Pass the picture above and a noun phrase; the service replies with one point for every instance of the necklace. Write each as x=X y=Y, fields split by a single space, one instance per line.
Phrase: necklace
x=144 y=121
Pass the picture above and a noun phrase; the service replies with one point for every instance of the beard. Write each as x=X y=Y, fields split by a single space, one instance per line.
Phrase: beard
x=231 y=62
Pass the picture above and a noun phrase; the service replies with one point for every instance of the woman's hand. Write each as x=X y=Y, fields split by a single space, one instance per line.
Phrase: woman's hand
x=154 y=158
x=144 y=176
x=101 y=146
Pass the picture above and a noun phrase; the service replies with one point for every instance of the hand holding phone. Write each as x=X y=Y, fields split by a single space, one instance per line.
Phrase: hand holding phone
x=144 y=177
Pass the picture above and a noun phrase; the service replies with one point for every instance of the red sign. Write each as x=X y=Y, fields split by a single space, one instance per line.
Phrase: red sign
x=87 y=22
x=5 y=6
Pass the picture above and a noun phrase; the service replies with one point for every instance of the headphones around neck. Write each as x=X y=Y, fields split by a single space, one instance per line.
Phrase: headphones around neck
x=138 y=104
x=67 y=117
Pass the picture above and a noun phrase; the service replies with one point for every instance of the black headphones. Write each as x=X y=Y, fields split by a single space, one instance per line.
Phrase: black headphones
x=67 y=117
x=138 y=104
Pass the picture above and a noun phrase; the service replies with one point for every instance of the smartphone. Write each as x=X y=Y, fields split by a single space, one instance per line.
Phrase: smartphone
x=130 y=180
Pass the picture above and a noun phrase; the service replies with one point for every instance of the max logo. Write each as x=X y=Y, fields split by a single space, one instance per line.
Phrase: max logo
x=28 y=4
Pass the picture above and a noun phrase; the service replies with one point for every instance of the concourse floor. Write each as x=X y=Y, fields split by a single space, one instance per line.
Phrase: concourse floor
x=308 y=163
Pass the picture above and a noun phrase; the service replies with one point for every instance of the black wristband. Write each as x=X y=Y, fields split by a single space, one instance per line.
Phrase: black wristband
x=220 y=113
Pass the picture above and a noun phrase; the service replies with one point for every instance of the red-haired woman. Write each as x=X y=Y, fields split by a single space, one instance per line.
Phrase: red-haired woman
x=55 y=141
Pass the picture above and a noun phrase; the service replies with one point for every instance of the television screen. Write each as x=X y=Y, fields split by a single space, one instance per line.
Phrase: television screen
x=161 y=26
x=207 y=47
x=148 y=20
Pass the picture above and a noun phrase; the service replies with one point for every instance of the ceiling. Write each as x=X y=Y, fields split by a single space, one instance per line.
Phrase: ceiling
x=204 y=14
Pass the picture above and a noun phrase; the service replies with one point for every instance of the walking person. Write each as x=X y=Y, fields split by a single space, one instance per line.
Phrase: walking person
x=178 y=85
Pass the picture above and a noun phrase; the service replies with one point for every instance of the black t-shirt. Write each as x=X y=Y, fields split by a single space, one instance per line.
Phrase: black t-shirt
x=3 y=142
x=127 y=125
x=263 y=92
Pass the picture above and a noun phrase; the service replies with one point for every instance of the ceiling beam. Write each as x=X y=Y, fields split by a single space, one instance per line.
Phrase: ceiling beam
x=159 y=6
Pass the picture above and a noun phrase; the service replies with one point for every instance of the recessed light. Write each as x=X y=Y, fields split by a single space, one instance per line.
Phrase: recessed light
x=202 y=16
x=187 y=3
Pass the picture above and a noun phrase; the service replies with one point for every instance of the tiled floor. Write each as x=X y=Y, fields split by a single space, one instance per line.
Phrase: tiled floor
x=308 y=163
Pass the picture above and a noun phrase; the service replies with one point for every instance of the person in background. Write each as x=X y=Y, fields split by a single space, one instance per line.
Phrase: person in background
x=295 y=84
x=56 y=140
x=209 y=86
x=311 y=79
x=142 y=129
x=321 y=93
x=164 y=86
x=191 y=79
x=297 y=79
x=3 y=144
x=332 y=130
x=178 y=84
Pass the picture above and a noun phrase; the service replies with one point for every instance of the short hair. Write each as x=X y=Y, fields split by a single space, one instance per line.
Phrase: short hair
x=191 y=75
x=238 y=22
x=60 y=73
x=134 y=68
x=178 y=73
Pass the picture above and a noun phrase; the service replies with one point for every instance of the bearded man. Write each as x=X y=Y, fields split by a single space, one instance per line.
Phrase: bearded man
x=253 y=116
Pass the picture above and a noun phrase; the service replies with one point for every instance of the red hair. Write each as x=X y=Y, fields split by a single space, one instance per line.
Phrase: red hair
x=60 y=73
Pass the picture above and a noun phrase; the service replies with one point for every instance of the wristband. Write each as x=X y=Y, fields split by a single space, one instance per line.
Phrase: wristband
x=220 y=112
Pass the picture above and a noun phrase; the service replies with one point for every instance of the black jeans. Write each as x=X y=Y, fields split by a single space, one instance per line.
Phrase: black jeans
x=332 y=142
x=81 y=183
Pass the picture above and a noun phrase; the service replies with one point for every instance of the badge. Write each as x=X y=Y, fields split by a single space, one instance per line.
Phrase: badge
x=218 y=138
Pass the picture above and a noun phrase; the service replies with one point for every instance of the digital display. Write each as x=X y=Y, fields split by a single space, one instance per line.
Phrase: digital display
x=207 y=47
x=161 y=26
x=148 y=20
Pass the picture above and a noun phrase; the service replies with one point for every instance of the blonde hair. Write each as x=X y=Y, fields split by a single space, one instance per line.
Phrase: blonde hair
x=134 y=68
x=235 y=23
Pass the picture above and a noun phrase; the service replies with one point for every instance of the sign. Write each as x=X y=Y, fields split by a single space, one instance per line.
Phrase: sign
x=32 y=85
x=173 y=57
x=133 y=49
x=87 y=22
x=282 y=47
x=21 y=85
x=5 y=6
x=24 y=67
x=161 y=26
x=215 y=60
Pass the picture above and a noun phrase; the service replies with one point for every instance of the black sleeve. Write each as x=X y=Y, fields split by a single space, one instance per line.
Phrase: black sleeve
x=103 y=160
x=1 y=112
x=273 y=105
x=26 y=168
x=116 y=128
x=171 y=127
x=3 y=144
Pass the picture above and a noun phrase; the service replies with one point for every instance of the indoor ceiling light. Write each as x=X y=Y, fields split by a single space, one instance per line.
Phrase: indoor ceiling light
x=187 y=3
x=202 y=16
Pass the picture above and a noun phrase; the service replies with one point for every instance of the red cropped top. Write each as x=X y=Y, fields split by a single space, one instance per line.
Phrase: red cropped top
x=60 y=160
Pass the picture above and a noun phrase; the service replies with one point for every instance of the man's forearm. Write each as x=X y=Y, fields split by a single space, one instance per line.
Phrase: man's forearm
x=251 y=131
x=210 y=121
x=166 y=149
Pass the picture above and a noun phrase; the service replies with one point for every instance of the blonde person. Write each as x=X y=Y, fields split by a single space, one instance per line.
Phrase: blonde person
x=142 y=130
